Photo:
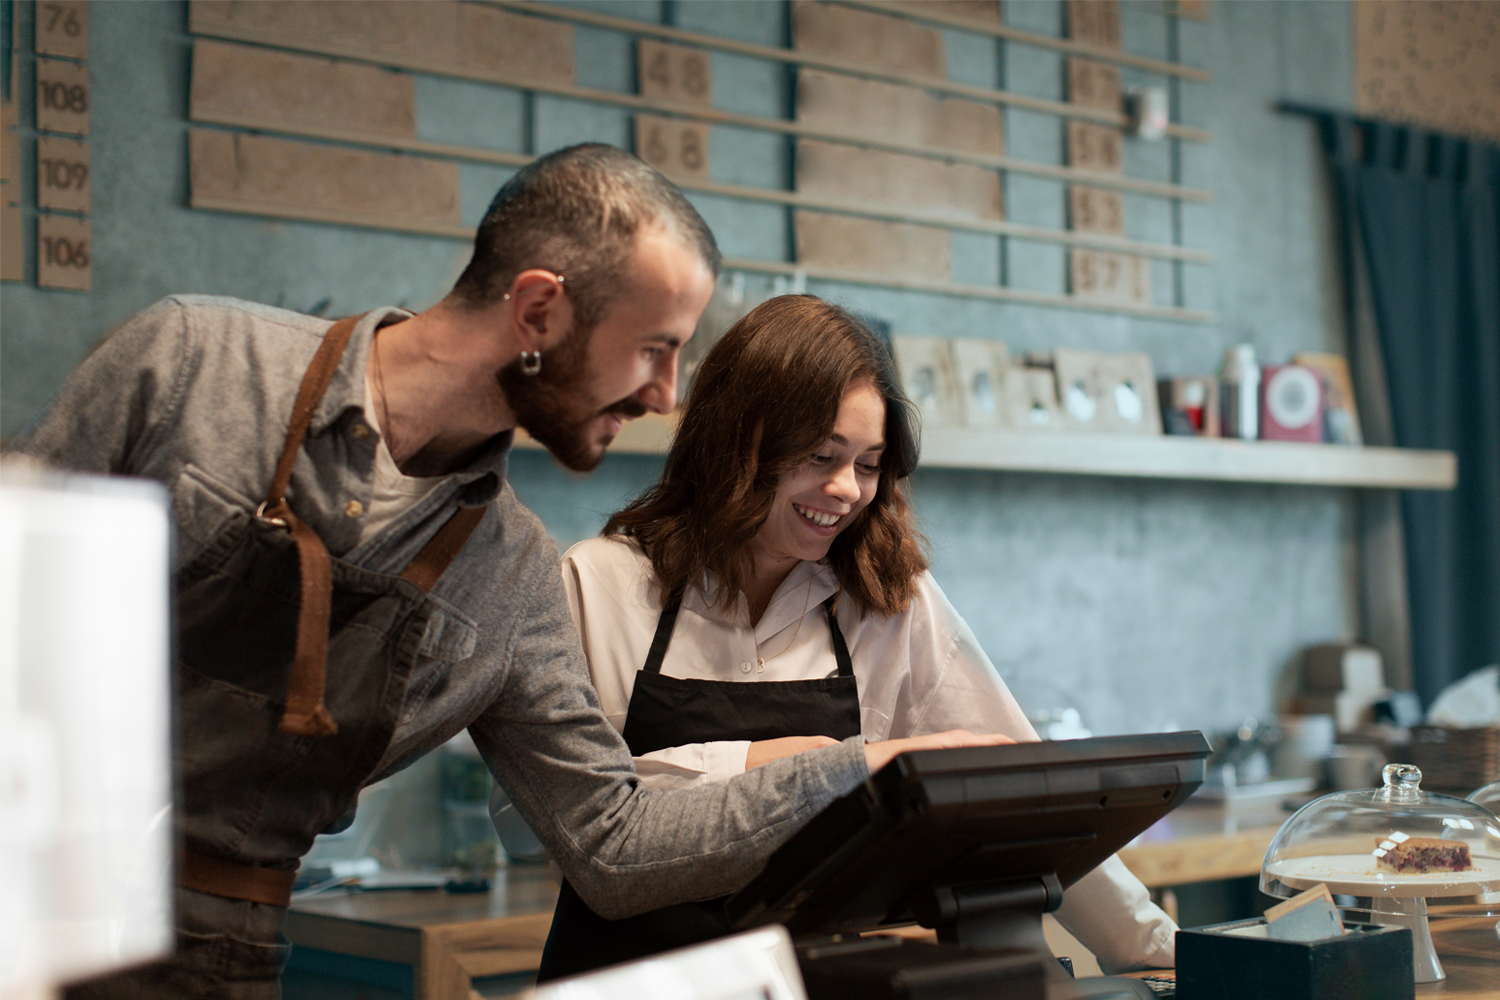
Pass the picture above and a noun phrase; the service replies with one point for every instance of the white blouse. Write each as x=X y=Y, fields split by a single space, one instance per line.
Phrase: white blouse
x=919 y=672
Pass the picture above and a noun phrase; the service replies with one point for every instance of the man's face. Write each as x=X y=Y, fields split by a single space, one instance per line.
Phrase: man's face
x=597 y=379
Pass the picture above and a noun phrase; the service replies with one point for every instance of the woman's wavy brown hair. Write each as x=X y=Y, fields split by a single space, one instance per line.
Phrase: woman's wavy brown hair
x=764 y=399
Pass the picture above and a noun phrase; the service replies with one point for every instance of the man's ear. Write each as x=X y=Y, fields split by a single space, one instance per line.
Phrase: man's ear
x=539 y=310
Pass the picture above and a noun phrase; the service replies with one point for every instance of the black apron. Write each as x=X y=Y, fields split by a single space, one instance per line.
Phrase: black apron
x=673 y=711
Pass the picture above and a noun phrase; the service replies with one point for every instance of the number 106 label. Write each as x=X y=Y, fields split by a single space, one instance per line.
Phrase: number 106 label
x=63 y=252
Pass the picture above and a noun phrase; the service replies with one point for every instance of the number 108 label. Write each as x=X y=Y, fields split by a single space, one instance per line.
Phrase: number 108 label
x=62 y=97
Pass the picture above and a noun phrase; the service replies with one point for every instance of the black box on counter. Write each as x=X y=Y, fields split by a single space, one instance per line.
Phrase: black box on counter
x=1236 y=961
x=893 y=968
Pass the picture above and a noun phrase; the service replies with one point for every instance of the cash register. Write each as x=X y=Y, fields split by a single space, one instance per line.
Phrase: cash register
x=976 y=843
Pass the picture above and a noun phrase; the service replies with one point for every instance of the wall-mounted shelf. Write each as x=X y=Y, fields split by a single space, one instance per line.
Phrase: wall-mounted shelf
x=1142 y=457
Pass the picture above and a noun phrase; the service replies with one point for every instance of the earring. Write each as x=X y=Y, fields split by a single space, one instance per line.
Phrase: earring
x=531 y=362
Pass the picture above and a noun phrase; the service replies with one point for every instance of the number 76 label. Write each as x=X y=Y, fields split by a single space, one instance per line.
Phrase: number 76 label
x=62 y=28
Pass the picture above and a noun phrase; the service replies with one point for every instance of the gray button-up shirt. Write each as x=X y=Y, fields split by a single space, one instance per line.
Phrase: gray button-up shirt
x=196 y=393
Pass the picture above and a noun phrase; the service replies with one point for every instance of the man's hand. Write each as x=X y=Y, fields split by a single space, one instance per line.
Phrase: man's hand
x=765 y=751
x=878 y=755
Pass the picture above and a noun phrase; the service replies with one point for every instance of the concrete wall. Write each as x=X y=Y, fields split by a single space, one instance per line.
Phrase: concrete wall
x=1144 y=604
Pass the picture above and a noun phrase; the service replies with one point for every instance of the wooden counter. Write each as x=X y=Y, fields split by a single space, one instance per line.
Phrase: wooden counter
x=441 y=942
x=423 y=945
x=1469 y=949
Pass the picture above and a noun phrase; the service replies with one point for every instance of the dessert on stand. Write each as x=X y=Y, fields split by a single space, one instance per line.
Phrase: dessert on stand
x=1401 y=853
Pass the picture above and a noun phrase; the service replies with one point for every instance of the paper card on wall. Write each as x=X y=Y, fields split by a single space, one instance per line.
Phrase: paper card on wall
x=427 y=32
x=675 y=73
x=981 y=368
x=12 y=244
x=62 y=28
x=1107 y=277
x=64 y=254
x=980 y=12
x=867 y=38
x=335 y=183
x=1031 y=397
x=864 y=176
x=927 y=374
x=10 y=153
x=870 y=246
x=1094 y=84
x=62 y=174
x=1096 y=210
x=1095 y=21
x=241 y=84
x=851 y=104
x=676 y=147
x=62 y=96
x=510 y=45
x=1095 y=147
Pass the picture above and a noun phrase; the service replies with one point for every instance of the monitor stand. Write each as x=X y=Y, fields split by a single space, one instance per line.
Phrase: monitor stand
x=989 y=915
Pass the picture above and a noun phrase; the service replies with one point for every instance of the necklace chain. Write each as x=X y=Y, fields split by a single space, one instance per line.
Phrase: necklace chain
x=385 y=407
x=760 y=661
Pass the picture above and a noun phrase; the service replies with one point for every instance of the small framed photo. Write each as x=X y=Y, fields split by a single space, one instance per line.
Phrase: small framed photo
x=981 y=367
x=926 y=367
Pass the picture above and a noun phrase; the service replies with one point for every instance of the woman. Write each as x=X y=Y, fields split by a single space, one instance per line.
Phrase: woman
x=769 y=595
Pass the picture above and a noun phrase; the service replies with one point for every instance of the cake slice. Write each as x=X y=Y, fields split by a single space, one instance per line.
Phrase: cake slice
x=1408 y=855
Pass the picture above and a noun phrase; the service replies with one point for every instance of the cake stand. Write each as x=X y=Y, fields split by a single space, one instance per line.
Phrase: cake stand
x=1331 y=841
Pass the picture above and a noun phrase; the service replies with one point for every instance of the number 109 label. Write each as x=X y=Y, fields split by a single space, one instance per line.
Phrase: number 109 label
x=62 y=174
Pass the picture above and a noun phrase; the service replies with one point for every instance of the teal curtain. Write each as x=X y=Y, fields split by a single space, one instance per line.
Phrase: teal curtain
x=1421 y=214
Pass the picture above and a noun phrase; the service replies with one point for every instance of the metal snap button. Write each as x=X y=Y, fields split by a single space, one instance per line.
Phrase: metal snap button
x=353 y=508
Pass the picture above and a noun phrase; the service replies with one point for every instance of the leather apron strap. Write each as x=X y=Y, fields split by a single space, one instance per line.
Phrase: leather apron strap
x=306 y=714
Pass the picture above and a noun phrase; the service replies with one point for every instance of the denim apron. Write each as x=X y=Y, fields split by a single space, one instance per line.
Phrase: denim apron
x=280 y=720
x=672 y=711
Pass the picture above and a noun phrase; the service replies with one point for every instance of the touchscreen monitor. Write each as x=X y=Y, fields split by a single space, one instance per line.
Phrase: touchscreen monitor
x=938 y=837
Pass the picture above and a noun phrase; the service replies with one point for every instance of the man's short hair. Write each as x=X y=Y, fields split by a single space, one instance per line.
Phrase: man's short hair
x=576 y=212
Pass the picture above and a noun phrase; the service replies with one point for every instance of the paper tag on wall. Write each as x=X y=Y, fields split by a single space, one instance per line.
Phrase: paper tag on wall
x=62 y=96
x=12 y=244
x=64 y=253
x=62 y=174
x=676 y=147
x=675 y=73
x=62 y=28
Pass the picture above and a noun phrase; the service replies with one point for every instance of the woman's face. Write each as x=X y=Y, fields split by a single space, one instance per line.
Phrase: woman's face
x=819 y=498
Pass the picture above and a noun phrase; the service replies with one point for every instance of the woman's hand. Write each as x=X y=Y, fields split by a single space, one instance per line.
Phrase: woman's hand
x=878 y=755
x=765 y=751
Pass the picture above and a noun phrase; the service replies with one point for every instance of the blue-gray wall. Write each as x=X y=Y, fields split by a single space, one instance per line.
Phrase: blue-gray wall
x=1144 y=604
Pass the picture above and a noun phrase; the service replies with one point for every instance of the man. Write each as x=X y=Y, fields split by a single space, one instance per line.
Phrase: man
x=357 y=582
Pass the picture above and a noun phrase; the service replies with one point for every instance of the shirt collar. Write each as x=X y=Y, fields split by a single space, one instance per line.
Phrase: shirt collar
x=479 y=481
x=806 y=587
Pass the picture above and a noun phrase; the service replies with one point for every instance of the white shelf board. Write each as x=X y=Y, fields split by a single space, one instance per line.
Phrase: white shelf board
x=1139 y=456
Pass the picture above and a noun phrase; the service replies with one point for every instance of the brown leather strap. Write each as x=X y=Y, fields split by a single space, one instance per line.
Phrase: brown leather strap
x=428 y=566
x=306 y=714
x=309 y=394
x=232 y=880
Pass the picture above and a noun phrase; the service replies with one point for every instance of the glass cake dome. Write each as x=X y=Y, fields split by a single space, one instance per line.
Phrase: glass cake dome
x=1393 y=849
x=1488 y=796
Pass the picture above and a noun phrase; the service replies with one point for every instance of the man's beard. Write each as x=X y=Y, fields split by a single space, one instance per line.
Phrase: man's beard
x=553 y=405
